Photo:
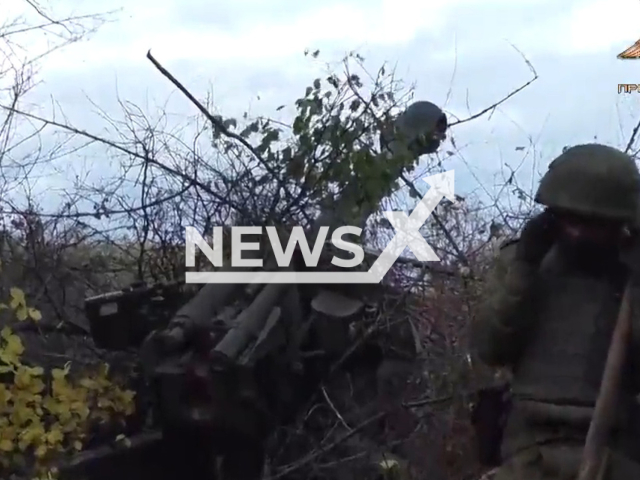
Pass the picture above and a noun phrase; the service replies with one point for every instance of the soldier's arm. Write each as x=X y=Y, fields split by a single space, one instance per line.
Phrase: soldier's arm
x=503 y=318
x=634 y=353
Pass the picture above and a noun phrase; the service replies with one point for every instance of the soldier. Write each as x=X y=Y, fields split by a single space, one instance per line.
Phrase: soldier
x=549 y=313
x=421 y=128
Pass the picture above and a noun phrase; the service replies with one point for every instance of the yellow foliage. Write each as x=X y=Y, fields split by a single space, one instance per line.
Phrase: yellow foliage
x=392 y=470
x=18 y=304
x=46 y=414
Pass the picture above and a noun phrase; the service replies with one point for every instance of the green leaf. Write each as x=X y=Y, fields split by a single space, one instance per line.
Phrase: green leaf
x=298 y=125
x=286 y=154
x=35 y=315
x=17 y=298
x=22 y=313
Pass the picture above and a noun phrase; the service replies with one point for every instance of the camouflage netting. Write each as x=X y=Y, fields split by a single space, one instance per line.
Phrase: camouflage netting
x=356 y=381
x=398 y=399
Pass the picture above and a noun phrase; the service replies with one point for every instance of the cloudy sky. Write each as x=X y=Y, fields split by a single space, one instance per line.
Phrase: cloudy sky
x=459 y=54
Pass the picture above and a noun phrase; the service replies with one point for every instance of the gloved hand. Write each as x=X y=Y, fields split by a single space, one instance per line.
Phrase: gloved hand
x=537 y=238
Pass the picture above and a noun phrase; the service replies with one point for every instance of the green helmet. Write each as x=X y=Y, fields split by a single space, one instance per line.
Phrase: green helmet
x=593 y=180
x=421 y=127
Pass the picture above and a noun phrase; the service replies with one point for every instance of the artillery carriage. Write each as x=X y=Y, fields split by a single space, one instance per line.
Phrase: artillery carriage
x=222 y=365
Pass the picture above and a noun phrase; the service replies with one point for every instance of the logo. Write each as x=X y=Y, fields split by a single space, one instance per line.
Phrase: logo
x=407 y=234
x=633 y=52
x=628 y=87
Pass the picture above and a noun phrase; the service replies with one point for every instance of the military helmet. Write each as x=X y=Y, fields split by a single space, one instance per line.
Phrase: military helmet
x=421 y=127
x=594 y=180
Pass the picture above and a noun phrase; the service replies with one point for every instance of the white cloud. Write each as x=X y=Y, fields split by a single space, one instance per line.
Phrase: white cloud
x=600 y=25
x=586 y=28
x=280 y=37
x=344 y=25
x=251 y=47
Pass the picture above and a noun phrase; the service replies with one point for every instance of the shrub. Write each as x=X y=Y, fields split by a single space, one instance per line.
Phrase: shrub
x=46 y=415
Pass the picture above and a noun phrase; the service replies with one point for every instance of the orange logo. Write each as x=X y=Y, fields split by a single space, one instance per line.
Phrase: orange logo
x=633 y=52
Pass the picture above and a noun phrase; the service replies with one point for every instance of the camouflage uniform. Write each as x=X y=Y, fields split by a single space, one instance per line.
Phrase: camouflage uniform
x=551 y=322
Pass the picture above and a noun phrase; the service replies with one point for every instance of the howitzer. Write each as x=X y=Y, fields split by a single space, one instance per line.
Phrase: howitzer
x=122 y=319
x=218 y=385
x=198 y=391
x=225 y=365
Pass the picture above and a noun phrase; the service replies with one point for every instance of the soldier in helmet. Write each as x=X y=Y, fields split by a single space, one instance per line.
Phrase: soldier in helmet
x=549 y=313
x=420 y=129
